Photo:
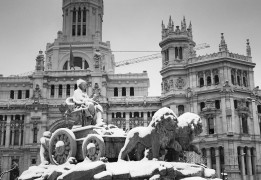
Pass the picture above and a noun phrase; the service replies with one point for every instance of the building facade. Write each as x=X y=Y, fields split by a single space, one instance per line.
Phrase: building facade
x=219 y=87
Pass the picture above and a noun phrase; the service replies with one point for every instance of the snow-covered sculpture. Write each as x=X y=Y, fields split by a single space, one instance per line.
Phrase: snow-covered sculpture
x=156 y=136
x=189 y=126
x=83 y=103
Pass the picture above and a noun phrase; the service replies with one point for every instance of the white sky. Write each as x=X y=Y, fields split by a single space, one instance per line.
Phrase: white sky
x=27 y=25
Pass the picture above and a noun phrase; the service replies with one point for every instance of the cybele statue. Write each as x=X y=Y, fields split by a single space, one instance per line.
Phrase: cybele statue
x=95 y=150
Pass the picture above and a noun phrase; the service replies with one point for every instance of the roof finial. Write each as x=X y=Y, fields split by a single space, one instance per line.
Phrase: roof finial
x=248 y=49
x=169 y=26
x=184 y=23
x=222 y=45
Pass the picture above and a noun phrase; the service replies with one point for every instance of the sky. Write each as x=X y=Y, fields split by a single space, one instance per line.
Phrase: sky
x=130 y=25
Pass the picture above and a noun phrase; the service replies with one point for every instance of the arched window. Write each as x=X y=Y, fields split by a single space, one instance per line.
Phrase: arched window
x=19 y=94
x=52 y=90
x=115 y=92
x=208 y=81
x=132 y=91
x=74 y=15
x=130 y=114
x=65 y=66
x=79 y=22
x=216 y=79
x=68 y=90
x=176 y=52
x=123 y=91
x=201 y=82
x=11 y=94
x=202 y=105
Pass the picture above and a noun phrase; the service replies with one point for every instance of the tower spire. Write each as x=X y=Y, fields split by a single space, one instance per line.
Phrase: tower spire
x=222 y=45
x=184 y=23
x=248 y=49
x=170 y=24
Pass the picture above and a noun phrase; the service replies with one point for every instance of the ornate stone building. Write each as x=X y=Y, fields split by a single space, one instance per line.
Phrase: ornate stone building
x=215 y=86
x=220 y=88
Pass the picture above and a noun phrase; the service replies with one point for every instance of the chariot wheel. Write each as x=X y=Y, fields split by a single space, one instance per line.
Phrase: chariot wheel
x=62 y=146
x=93 y=147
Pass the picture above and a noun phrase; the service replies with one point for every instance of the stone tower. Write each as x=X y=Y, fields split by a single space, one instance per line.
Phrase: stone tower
x=82 y=19
x=177 y=47
x=81 y=36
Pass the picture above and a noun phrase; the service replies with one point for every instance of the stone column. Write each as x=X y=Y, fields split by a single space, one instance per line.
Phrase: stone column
x=255 y=118
x=205 y=80
x=71 y=89
x=233 y=115
x=211 y=76
x=23 y=94
x=208 y=157
x=2 y=137
x=15 y=94
x=128 y=120
x=20 y=137
x=7 y=137
x=56 y=87
x=64 y=92
x=145 y=117
x=82 y=30
x=76 y=24
x=249 y=164
x=119 y=92
x=12 y=142
x=242 y=162
x=218 y=170
x=223 y=110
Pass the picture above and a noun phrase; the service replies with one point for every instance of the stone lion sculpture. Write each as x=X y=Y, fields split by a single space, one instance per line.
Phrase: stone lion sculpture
x=189 y=126
x=157 y=135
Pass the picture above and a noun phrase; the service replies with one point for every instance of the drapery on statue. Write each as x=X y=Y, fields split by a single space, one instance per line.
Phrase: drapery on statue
x=156 y=136
x=89 y=108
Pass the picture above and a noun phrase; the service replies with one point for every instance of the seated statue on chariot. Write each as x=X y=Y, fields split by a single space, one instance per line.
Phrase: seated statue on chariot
x=90 y=110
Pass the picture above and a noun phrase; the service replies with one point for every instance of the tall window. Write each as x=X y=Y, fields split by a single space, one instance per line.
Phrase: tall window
x=132 y=91
x=136 y=114
x=35 y=131
x=210 y=122
x=123 y=91
x=180 y=53
x=244 y=124
x=201 y=82
x=27 y=93
x=213 y=158
x=217 y=104
x=11 y=94
x=68 y=90
x=180 y=109
x=118 y=115
x=75 y=86
x=202 y=105
x=52 y=90
x=115 y=92
x=74 y=22
x=235 y=104
x=20 y=94
x=244 y=81
x=238 y=80
x=259 y=108
x=208 y=81
x=232 y=79
x=166 y=52
x=216 y=79
x=60 y=90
